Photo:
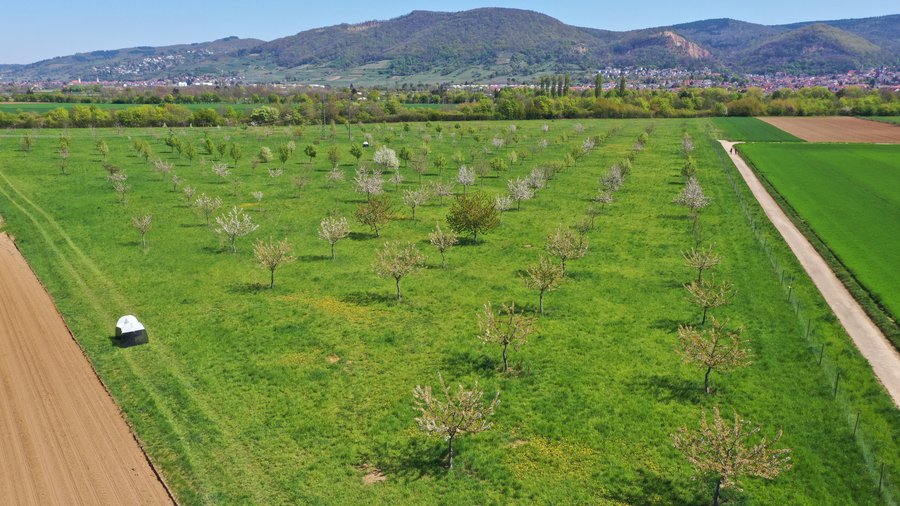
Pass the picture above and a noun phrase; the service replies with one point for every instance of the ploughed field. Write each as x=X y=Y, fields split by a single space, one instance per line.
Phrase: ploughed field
x=836 y=129
x=303 y=393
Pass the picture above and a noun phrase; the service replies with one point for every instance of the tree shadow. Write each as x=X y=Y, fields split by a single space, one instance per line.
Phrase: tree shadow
x=669 y=388
x=361 y=236
x=314 y=258
x=462 y=363
x=666 y=324
x=247 y=288
x=418 y=458
x=652 y=488
x=191 y=225
x=365 y=298
x=576 y=275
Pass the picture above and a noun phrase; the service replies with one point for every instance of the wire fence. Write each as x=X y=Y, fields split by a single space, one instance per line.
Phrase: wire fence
x=787 y=273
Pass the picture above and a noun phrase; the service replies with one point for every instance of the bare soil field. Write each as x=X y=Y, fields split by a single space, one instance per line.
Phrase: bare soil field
x=62 y=438
x=837 y=129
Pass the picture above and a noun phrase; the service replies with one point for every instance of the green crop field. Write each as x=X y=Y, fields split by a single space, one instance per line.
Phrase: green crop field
x=850 y=196
x=884 y=119
x=293 y=395
x=751 y=130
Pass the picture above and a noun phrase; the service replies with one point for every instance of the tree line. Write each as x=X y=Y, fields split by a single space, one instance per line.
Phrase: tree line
x=553 y=98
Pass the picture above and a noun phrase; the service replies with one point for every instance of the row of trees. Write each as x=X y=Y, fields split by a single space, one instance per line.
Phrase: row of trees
x=550 y=99
x=723 y=450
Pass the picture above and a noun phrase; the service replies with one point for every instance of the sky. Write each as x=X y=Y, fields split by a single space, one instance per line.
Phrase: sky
x=59 y=28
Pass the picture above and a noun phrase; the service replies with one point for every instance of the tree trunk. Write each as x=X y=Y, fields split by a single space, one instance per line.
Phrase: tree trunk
x=541 y=303
x=399 y=296
x=706 y=380
x=562 y=265
x=699 y=275
x=233 y=246
x=716 y=496
x=271 y=279
x=705 y=310
x=332 y=251
x=450 y=444
x=443 y=261
x=505 y=363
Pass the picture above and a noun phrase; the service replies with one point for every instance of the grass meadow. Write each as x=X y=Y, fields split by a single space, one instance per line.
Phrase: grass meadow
x=293 y=395
x=749 y=129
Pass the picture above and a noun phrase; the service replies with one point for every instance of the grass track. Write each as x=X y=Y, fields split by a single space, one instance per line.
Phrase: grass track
x=236 y=397
x=750 y=130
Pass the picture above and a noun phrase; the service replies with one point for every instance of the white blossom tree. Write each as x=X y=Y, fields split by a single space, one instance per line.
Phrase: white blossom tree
x=465 y=177
x=235 y=224
x=692 y=197
x=386 y=158
x=505 y=328
x=333 y=229
x=519 y=190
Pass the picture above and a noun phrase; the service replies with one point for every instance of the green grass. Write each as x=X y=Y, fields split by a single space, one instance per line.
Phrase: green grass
x=237 y=399
x=751 y=130
x=849 y=195
x=43 y=107
x=884 y=119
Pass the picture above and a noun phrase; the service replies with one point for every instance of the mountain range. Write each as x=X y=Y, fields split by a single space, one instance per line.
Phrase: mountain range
x=488 y=44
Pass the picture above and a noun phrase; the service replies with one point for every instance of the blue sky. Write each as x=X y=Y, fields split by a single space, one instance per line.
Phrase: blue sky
x=33 y=32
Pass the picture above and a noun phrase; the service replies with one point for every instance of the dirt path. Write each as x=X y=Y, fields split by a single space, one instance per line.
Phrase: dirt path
x=836 y=129
x=868 y=338
x=62 y=438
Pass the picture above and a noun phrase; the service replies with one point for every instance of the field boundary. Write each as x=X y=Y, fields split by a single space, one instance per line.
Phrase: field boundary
x=883 y=318
x=874 y=346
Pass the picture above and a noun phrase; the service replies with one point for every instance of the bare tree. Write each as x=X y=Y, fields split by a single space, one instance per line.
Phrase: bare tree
x=443 y=241
x=687 y=144
x=566 y=245
x=163 y=167
x=504 y=328
x=63 y=159
x=272 y=254
x=333 y=229
x=396 y=260
x=701 y=260
x=207 y=205
x=375 y=213
x=453 y=414
x=121 y=190
x=175 y=182
x=235 y=224
x=142 y=224
x=396 y=179
x=715 y=348
x=519 y=190
x=465 y=177
x=692 y=197
x=708 y=295
x=415 y=198
x=189 y=192
x=543 y=276
x=503 y=203
x=220 y=169
x=727 y=451
x=440 y=190
x=258 y=196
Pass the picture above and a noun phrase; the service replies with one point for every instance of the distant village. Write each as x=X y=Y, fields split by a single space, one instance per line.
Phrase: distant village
x=641 y=78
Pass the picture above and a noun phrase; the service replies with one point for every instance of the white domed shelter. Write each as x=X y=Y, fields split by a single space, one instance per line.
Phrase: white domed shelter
x=130 y=331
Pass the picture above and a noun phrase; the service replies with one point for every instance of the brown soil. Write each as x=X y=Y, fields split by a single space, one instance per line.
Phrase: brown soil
x=62 y=438
x=837 y=129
